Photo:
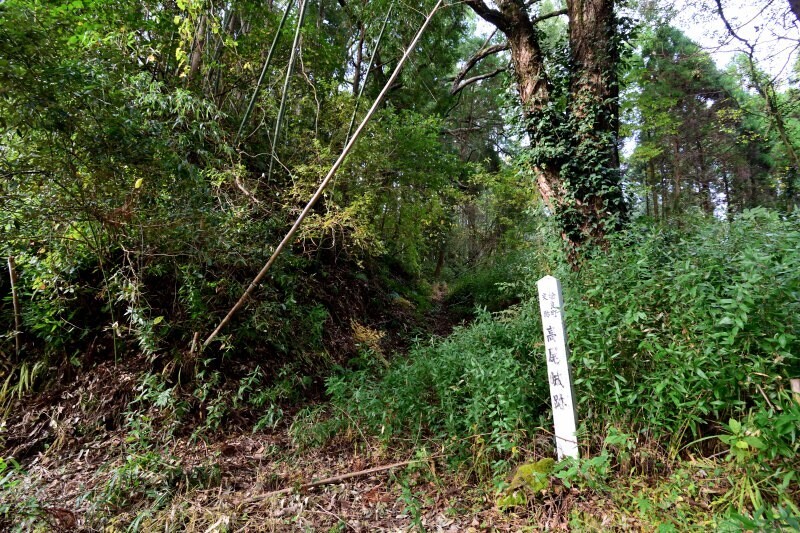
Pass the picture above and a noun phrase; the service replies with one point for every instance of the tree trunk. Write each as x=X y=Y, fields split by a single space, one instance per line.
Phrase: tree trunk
x=651 y=172
x=706 y=198
x=358 y=60
x=578 y=179
x=676 y=176
x=795 y=7
x=594 y=110
x=197 y=47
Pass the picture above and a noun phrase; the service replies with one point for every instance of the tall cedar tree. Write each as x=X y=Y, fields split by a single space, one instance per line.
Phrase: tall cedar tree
x=574 y=151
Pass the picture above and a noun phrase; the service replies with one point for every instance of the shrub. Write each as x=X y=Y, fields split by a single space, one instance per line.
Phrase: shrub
x=673 y=329
x=672 y=332
x=480 y=381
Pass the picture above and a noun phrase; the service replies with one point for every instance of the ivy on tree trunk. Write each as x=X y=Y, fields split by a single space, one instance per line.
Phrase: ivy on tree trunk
x=573 y=150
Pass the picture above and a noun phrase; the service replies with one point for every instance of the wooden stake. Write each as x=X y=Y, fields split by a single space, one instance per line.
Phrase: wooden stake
x=795 y=383
x=559 y=375
x=12 y=274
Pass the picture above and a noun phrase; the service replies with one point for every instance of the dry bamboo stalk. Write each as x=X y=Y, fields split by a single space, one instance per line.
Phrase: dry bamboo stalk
x=795 y=384
x=331 y=173
x=366 y=75
x=263 y=72
x=286 y=84
x=12 y=274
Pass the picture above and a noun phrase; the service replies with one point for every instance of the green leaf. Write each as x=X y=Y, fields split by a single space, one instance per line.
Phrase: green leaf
x=735 y=426
x=138 y=183
x=158 y=320
x=755 y=442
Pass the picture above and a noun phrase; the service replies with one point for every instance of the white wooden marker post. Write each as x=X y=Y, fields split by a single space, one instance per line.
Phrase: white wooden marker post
x=558 y=370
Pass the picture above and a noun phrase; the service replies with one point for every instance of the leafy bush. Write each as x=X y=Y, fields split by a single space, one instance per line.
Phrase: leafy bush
x=479 y=382
x=486 y=286
x=673 y=329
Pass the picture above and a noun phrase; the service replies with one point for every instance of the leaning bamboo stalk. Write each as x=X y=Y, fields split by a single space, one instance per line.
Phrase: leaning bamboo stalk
x=264 y=68
x=328 y=177
x=286 y=84
x=12 y=274
x=366 y=75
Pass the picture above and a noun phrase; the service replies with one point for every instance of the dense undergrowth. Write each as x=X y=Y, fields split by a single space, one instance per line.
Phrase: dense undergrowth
x=683 y=342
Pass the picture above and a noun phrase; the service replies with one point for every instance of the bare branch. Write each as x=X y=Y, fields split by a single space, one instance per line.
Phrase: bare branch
x=484 y=53
x=457 y=132
x=480 y=55
x=541 y=18
x=469 y=81
x=730 y=29
x=327 y=481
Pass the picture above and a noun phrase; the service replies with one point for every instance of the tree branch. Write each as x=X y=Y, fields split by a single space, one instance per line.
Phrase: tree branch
x=469 y=81
x=541 y=18
x=492 y=16
x=730 y=29
x=326 y=481
x=765 y=88
x=480 y=55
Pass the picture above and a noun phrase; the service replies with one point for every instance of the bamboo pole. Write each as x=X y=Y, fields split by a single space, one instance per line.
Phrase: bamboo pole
x=328 y=177
x=264 y=68
x=286 y=84
x=12 y=274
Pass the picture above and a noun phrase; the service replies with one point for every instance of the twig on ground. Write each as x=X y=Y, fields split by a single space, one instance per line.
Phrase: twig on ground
x=328 y=481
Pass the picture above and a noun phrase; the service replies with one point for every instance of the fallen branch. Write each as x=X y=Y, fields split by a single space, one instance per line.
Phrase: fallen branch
x=326 y=481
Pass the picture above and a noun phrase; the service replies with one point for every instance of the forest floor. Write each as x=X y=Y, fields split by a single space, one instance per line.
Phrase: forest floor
x=80 y=468
x=75 y=475
x=232 y=482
